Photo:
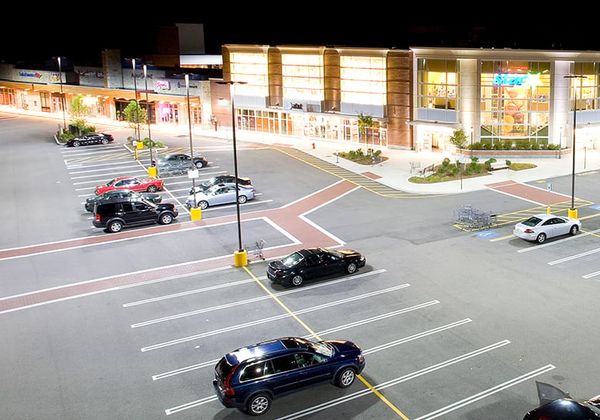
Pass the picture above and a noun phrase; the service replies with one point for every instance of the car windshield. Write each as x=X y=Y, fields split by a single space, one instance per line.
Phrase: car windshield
x=322 y=348
x=148 y=203
x=292 y=260
x=532 y=221
x=111 y=182
x=335 y=253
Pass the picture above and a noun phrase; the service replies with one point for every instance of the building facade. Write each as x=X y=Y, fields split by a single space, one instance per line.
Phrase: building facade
x=417 y=97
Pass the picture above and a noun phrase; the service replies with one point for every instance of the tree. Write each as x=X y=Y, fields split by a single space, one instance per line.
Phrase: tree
x=78 y=111
x=365 y=122
x=135 y=115
x=459 y=138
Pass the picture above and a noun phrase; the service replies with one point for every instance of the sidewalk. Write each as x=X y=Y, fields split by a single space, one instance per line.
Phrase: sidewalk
x=394 y=172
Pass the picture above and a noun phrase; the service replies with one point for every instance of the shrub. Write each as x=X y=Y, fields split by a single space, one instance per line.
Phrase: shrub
x=488 y=163
x=507 y=144
x=534 y=146
x=65 y=136
x=553 y=147
x=508 y=163
x=377 y=153
x=155 y=143
x=499 y=145
x=475 y=146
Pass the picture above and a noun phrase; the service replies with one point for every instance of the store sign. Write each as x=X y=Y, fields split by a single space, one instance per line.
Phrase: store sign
x=162 y=85
x=508 y=79
x=181 y=85
x=30 y=74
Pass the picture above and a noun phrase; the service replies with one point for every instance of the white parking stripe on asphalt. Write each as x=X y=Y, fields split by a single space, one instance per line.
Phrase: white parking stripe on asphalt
x=112 y=168
x=574 y=257
x=395 y=381
x=490 y=391
x=271 y=319
x=247 y=301
x=327 y=331
x=92 y=165
x=191 y=404
x=560 y=241
x=129 y=171
x=590 y=275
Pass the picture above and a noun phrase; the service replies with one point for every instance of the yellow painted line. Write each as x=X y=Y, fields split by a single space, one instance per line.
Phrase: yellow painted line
x=590 y=233
x=502 y=238
x=589 y=217
x=314 y=334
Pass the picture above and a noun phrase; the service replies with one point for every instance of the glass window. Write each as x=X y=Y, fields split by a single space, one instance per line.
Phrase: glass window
x=302 y=76
x=256 y=370
x=363 y=80
x=437 y=83
x=251 y=68
x=284 y=363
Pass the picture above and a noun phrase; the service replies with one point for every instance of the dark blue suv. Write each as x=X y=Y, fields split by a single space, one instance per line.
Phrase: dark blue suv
x=249 y=378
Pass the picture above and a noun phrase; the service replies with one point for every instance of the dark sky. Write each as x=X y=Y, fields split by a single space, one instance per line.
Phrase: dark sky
x=43 y=35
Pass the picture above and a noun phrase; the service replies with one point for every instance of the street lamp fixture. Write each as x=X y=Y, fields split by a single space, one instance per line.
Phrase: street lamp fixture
x=240 y=257
x=573 y=211
x=148 y=113
x=195 y=212
x=62 y=95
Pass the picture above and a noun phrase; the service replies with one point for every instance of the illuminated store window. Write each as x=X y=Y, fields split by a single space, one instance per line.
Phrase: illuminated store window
x=588 y=94
x=302 y=76
x=515 y=103
x=363 y=80
x=251 y=68
x=436 y=83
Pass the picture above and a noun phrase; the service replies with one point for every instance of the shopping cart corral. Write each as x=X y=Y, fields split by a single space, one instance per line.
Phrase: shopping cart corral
x=470 y=218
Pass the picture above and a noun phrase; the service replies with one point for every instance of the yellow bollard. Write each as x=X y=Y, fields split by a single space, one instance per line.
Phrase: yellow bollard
x=196 y=214
x=548 y=210
x=572 y=213
x=152 y=171
x=139 y=145
x=240 y=258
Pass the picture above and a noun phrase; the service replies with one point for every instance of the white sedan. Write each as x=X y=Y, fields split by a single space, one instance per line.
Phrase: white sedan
x=540 y=227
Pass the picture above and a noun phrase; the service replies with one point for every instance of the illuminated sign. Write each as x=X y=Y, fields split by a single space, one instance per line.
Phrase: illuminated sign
x=508 y=79
x=162 y=85
x=30 y=74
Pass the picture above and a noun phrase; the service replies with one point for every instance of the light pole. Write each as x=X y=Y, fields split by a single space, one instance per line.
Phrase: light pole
x=195 y=212
x=62 y=95
x=137 y=105
x=148 y=114
x=240 y=257
x=573 y=211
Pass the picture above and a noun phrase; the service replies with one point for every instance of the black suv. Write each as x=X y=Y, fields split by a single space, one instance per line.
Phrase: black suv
x=116 y=213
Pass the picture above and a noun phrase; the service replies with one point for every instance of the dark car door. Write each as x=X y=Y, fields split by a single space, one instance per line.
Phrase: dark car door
x=313 y=266
x=313 y=367
x=331 y=263
x=143 y=213
x=285 y=374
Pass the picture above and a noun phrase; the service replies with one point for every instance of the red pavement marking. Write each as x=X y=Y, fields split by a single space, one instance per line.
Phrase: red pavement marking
x=371 y=175
x=287 y=218
x=529 y=193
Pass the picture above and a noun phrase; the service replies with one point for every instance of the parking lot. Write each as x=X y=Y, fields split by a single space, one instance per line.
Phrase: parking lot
x=453 y=324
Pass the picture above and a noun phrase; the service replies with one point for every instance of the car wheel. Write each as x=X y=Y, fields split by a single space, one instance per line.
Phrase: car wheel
x=104 y=141
x=574 y=230
x=203 y=205
x=258 y=404
x=345 y=378
x=199 y=164
x=242 y=199
x=115 y=226
x=166 y=219
x=541 y=238
x=297 y=280
x=76 y=144
x=351 y=268
x=152 y=188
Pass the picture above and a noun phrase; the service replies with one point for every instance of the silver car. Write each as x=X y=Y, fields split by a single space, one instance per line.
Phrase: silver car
x=220 y=194
x=540 y=227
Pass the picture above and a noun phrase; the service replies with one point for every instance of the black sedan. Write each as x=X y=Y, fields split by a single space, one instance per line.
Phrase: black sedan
x=180 y=163
x=314 y=262
x=91 y=138
x=90 y=201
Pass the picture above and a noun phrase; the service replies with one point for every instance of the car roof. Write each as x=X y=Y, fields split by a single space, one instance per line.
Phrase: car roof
x=264 y=349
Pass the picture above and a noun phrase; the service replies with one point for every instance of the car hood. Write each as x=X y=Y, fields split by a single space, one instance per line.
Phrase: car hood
x=344 y=346
x=348 y=252
x=165 y=206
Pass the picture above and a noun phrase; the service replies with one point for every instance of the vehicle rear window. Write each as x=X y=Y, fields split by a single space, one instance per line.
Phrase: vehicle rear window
x=292 y=260
x=223 y=368
x=532 y=221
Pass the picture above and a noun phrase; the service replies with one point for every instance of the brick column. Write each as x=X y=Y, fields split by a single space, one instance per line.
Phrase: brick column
x=331 y=80
x=275 y=77
x=399 y=99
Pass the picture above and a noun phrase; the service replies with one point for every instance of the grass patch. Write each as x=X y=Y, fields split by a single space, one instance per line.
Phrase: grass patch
x=521 y=166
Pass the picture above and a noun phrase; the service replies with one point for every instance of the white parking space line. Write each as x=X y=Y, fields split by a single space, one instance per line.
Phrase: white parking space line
x=327 y=331
x=416 y=336
x=393 y=382
x=93 y=165
x=311 y=194
x=246 y=301
x=112 y=168
x=67 y=154
x=191 y=404
x=115 y=170
x=574 y=257
x=271 y=319
x=560 y=241
x=490 y=391
x=107 y=177
x=591 y=275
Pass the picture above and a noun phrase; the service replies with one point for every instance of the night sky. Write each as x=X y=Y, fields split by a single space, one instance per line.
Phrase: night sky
x=43 y=35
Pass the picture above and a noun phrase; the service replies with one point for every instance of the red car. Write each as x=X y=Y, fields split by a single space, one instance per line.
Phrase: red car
x=131 y=183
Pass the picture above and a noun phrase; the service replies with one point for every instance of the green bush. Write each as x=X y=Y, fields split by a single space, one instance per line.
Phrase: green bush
x=499 y=145
x=155 y=143
x=534 y=146
x=488 y=163
x=554 y=147
x=507 y=144
x=65 y=136
x=508 y=163
x=377 y=153
x=475 y=146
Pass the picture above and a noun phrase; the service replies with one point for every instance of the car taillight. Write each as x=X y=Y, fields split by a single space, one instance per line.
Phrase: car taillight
x=361 y=358
x=278 y=273
x=528 y=230
x=98 y=217
x=227 y=389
